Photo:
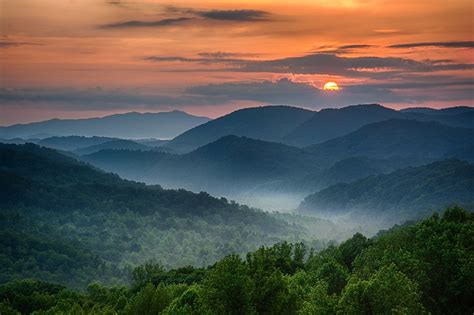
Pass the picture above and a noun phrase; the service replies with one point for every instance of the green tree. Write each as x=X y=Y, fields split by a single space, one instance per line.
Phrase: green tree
x=227 y=288
x=150 y=300
x=386 y=292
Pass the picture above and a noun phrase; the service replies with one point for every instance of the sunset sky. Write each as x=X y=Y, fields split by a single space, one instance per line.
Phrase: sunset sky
x=83 y=58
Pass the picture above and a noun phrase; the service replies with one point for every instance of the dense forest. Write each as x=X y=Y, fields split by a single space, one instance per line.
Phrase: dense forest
x=412 y=269
x=66 y=222
x=409 y=193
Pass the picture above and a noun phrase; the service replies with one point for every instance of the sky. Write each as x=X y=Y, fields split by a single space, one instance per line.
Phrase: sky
x=85 y=58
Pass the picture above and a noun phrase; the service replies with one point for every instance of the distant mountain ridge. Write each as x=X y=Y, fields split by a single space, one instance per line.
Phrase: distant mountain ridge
x=267 y=123
x=72 y=143
x=241 y=162
x=334 y=122
x=118 y=144
x=163 y=125
x=443 y=111
x=396 y=138
x=298 y=127
x=233 y=165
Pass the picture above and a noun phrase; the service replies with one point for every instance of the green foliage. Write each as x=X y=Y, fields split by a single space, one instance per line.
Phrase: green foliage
x=65 y=222
x=408 y=193
x=227 y=288
x=388 y=291
x=413 y=269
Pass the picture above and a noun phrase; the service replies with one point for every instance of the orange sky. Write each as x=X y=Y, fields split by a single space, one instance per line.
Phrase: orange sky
x=80 y=58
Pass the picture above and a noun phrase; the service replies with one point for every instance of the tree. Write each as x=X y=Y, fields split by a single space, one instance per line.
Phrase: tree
x=334 y=275
x=387 y=291
x=150 y=300
x=227 y=288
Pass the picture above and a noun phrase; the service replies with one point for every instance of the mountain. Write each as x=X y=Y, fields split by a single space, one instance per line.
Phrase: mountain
x=71 y=143
x=334 y=122
x=253 y=171
x=56 y=211
x=348 y=170
x=268 y=123
x=227 y=164
x=455 y=117
x=299 y=127
x=155 y=143
x=130 y=125
x=463 y=153
x=403 y=194
x=442 y=111
x=422 y=141
x=119 y=144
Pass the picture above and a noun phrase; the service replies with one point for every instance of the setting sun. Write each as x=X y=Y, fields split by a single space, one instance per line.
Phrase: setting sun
x=331 y=86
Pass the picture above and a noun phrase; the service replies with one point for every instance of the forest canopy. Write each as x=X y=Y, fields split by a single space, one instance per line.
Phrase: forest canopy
x=413 y=269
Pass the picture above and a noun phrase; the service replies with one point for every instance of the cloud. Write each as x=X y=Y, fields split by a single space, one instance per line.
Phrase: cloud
x=355 y=46
x=94 y=99
x=342 y=49
x=195 y=16
x=5 y=43
x=462 y=44
x=285 y=91
x=158 y=23
x=235 y=15
x=226 y=55
x=282 y=91
x=330 y=64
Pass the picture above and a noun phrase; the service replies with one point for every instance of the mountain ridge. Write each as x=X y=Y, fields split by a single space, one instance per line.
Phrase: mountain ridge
x=127 y=125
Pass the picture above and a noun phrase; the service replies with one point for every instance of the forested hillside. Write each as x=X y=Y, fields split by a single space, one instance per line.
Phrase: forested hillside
x=403 y=194
x=57 y=212
x=229 y=164
x=413 y=269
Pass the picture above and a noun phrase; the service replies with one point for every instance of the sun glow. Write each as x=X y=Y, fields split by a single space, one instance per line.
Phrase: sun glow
x=331 y=86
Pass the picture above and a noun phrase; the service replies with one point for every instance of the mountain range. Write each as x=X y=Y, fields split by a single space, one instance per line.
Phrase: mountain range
x=53 y=206
x=240 y=166
x=164 y=125
x=299 y=127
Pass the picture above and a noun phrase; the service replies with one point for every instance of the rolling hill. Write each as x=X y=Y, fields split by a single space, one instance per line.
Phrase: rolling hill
x=119 y=144
x=403 y=194
x=71 y=143
x=333 y=122
x=163 y=125
x=268 y=123
x=420 y=141
x=54 y=206
x=228 y=164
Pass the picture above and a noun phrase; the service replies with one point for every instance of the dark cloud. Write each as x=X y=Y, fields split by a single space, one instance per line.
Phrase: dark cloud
x=355 y=46
x=193 y=15
x=226 y=55
x=286 y=91
x=462 y=44
x=158 y=23
x=94 y=99
x=341 y=49
x=235 y=15
x=5 y=43
x=283 y=91
x=331 y=64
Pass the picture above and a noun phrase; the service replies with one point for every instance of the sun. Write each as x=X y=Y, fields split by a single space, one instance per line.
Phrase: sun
x=331 y=86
